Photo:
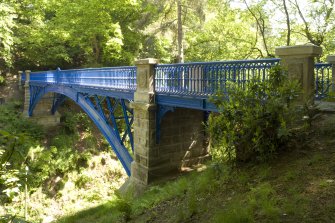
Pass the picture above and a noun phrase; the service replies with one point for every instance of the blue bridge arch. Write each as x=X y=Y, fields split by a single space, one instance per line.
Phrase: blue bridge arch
x=94 y=111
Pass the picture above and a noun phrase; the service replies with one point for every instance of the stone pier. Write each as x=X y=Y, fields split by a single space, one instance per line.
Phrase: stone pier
x=300 y=61
x=42 y=113
x=182 y=140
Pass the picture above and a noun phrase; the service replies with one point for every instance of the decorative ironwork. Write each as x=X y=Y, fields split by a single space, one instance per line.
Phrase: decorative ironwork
x=323 y=80
x=206 y=78
x=118 y=78
x=58 y=99
x=35 y=91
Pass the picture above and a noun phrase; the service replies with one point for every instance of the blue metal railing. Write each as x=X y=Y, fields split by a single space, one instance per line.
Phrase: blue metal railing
x=188 y=79
x=206 y=78
x=121 y=78
x=323 y=80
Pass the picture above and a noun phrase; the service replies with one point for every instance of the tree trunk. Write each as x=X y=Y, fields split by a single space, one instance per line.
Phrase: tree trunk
x=288 y=40
x=96 y=50
x=180 y=35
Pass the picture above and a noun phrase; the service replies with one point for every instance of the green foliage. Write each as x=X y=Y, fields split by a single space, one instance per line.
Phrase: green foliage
x=262 y=200
x=7 y=24
x=12 y=121
x=76 y=121
x=237 y=212
x=46 y=163
x=255 y=120
x=11 y=219
x=52 y=35
x=2 y=81
x=121 y=208
x=42 y=34
x=215 y=41
x=21 y=146
x=16 y=139
x=261 y=205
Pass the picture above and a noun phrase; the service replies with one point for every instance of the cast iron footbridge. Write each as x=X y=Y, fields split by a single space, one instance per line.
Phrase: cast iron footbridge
x=101 y=92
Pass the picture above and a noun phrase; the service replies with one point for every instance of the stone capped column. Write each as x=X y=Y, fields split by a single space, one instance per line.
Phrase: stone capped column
x=300 y=61
x=144 y=123
x=26 y=94
x=20 y=80
x=331 y=60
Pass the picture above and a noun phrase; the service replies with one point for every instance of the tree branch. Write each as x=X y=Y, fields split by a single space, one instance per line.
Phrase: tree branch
x=288 y=39
x=261 y=25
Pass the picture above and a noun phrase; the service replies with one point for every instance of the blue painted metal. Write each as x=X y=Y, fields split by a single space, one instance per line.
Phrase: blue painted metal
x=199 y=103
x=323 y=80
x=35 y=91
x=117 y=78
x=112 y=109
x=58 y=99
x=129 y=120
x=206 y=78
x=23 y=77
x=94 y=110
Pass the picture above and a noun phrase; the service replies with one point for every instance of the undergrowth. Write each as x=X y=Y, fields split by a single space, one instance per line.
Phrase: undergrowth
x=64 y=168
x=255 y=121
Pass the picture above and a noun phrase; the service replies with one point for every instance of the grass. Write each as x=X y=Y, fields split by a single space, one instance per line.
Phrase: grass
x=113 y=211
x=298 y=186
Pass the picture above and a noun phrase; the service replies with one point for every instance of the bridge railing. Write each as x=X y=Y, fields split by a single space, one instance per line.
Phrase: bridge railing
x=323 y=80
x=206 y=78
x=199 y=79
x=121 y=78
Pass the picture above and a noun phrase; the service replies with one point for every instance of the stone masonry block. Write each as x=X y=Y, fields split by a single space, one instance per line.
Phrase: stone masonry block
x=139 y=172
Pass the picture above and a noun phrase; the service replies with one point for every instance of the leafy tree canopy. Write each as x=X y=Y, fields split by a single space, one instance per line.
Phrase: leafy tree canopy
x=39 y=34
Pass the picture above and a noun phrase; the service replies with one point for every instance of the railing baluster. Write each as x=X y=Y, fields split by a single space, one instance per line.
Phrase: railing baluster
x=206 y=78
x=323 y=77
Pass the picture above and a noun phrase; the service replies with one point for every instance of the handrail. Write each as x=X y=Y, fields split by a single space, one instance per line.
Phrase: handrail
x=121 y=78
x=206 y=78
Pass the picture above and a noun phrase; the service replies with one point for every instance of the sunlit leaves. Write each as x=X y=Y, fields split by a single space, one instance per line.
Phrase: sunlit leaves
x=7 y=16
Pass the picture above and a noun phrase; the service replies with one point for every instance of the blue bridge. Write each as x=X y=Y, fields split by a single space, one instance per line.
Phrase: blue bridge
x=129 y=105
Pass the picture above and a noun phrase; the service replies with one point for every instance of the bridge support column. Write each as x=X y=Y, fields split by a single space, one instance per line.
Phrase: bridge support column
x=26 y=94
x=42 y=113
x=299 y=61
x=181 y=140
x=20 y=80
x=144 y=123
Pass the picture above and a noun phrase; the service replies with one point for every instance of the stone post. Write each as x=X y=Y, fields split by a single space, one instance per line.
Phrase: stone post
x=20 y=80
x=144 y=124
x=331 y=60
x=299 y=62
x=26 y=94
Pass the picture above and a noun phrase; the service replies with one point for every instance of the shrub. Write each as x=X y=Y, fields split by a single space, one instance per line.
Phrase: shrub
x=255 y=120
